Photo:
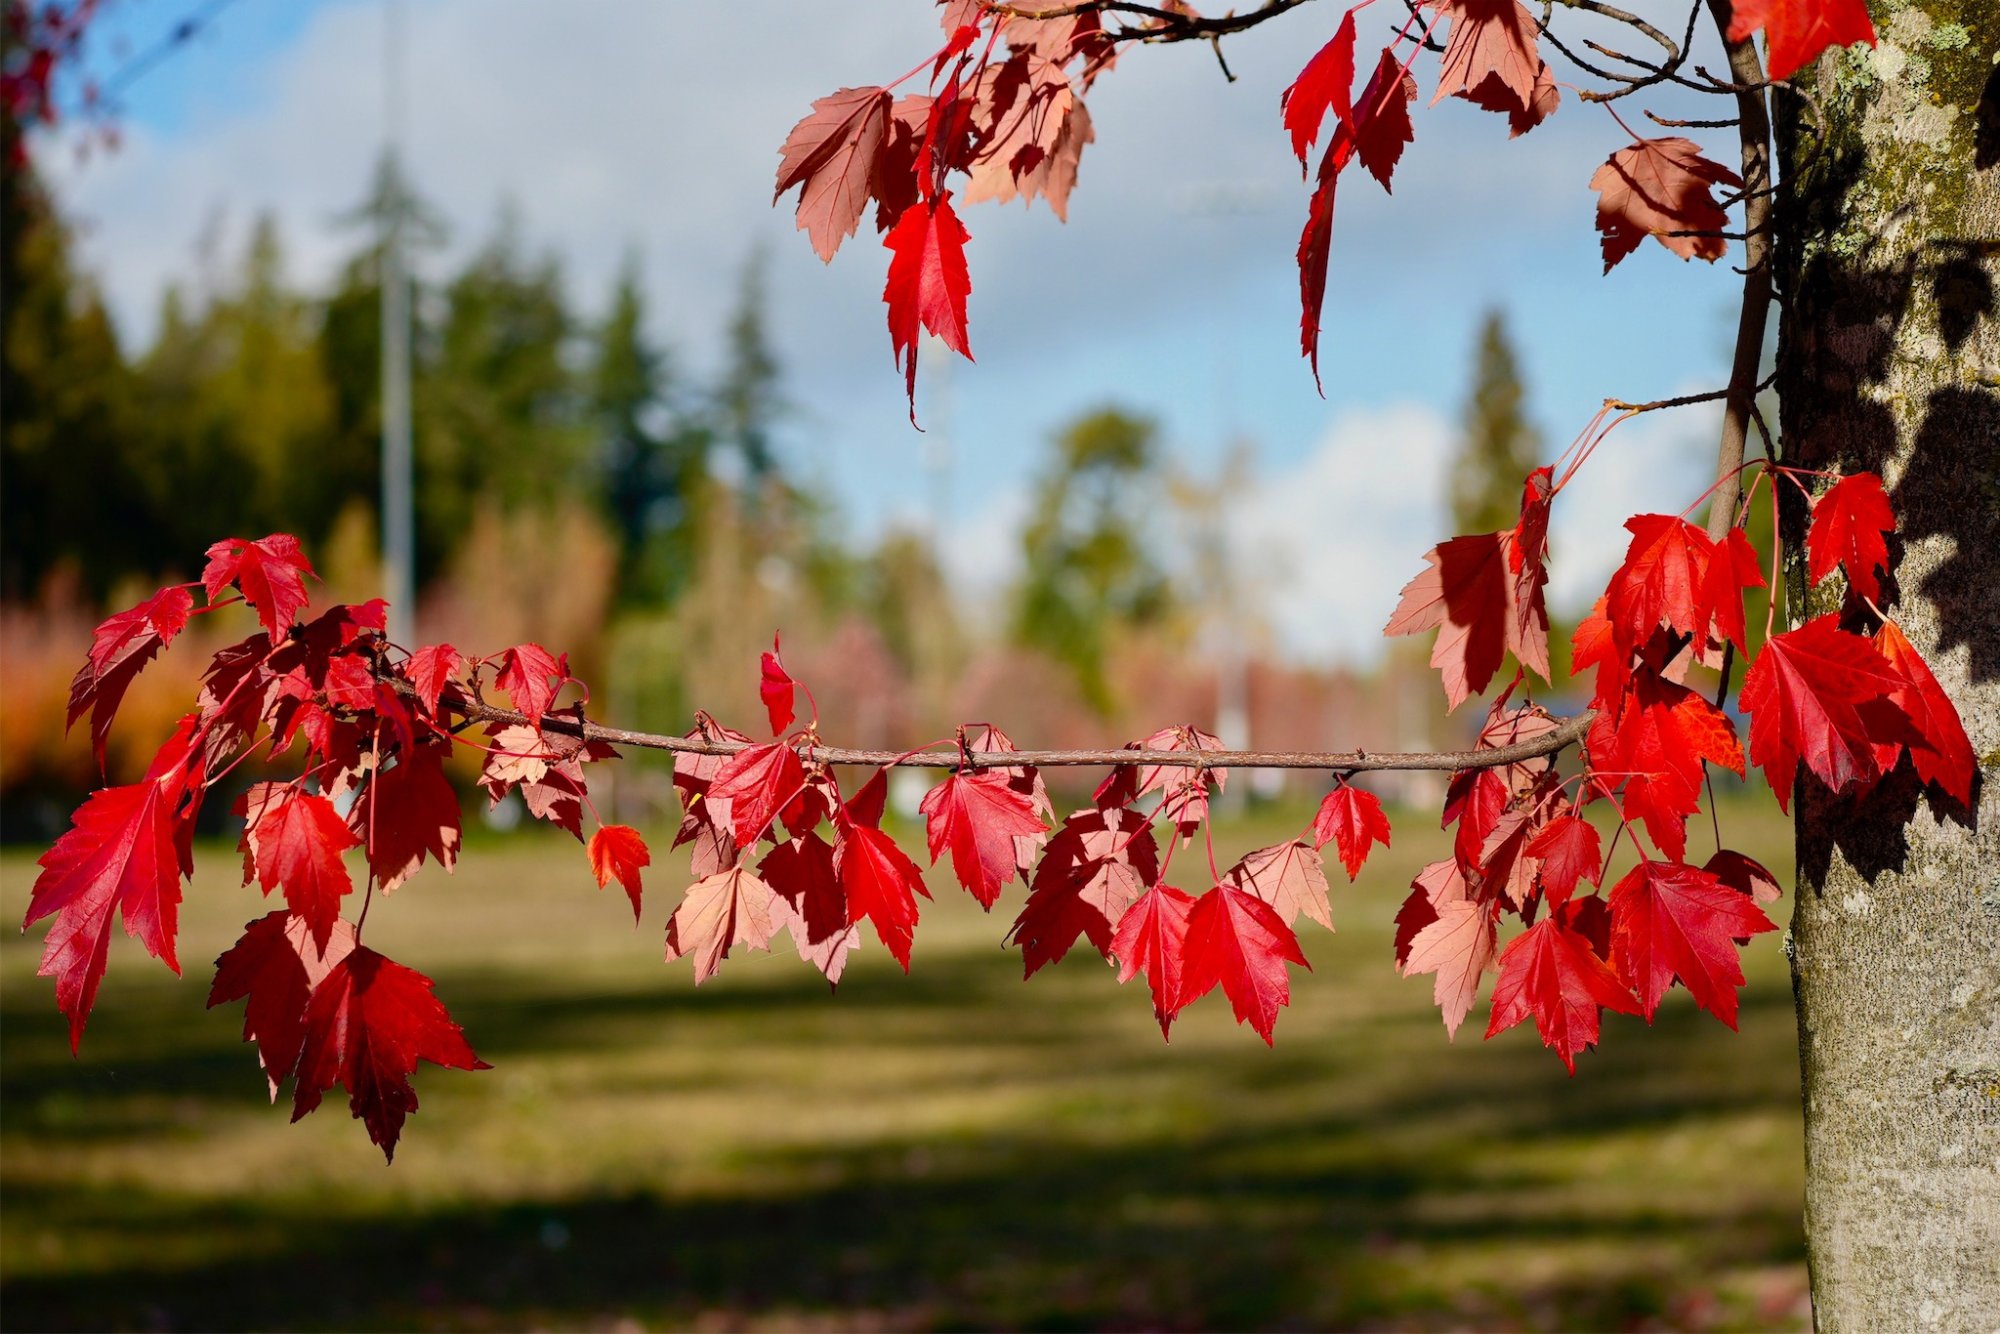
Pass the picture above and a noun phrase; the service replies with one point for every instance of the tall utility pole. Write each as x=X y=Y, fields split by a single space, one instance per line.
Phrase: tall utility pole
x=399 y=538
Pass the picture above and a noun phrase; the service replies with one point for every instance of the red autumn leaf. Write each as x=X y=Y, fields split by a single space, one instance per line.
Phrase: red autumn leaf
x=756 y=783
x=1812 y=695
x=1569 y=851
x=830 y=155
x=1289 y=876
x=1797 y=31
x=1150 y=940
x=430 y=669
x=1663 y=580
x=1315 y=245
x=1186 y=788
x=1325 y=84
x=1550 y=972
x=1034 y=133
x=1943 y=754
x=1456 y=944
x=1490 y=57
x=271 y=573
x=125 y=852
x=881 y=885
x=1521 y=116
x=1465 y=596
x=810 y=902
x=1850 y=528
x=1743 y=875
x=1237 y=940
x=731 y=907
x=273 y=970
x=532 y=676
x=1383 y=127
x=1668 y=921
x=1096 y=867
x=411 y=813
x=296 y=842
x=1662 y=188
x=119 y=648
x=1438 y=883
x=928 y=284
x=869 y=804
x=617 y=850
x=1352 y=820
x=1732 y=568
x=776 y=688
x=986 y=739
x=979 y=817
x=546 y=768
x=1657 y=737
x=369 y=1022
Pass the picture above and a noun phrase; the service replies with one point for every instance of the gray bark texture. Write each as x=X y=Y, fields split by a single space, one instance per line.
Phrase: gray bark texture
x=1889 y=359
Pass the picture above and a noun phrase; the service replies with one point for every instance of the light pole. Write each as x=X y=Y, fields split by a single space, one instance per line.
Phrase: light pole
x=399 y=538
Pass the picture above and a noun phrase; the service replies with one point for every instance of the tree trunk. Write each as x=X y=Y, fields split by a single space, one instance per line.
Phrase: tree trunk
x=1889 y=359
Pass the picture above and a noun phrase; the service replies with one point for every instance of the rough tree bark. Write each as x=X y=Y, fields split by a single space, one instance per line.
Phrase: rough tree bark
x=1889 y=358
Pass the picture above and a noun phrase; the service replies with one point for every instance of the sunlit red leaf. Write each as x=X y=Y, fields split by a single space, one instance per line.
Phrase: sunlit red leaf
x=1325 y=84
x=1671 y=921
x=978 y=816
x=296 y=843
x=369 y=1022
x=1238 y=941
x=119 y=649
x=881 y=885
x=1150 y=940
x=1943 y=753
x=1550 y=973
x=776 y=688
x=1352 y=820
x=830 y=155
x=273 y=968
x=756 y=783
x=270 y=572
x=1662 y=188
x=1851 y=524
x=531 y=676
x=928 y=284
x=617 y=852
x=1797 y=31
x=1809 y=694
x=731 y=907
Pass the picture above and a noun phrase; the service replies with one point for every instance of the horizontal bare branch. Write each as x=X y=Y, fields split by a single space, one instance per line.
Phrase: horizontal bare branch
x=1567 y=734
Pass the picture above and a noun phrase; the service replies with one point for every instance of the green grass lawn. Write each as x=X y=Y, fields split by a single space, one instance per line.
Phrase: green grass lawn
x=950 y=1149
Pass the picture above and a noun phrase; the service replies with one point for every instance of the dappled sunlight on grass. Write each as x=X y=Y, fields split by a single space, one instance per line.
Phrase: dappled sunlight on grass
x=953 y=1148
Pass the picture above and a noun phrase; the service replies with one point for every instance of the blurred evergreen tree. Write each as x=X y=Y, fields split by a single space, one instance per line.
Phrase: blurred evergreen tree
x=1500 y=447
x=1088 y=573
x=66 y=411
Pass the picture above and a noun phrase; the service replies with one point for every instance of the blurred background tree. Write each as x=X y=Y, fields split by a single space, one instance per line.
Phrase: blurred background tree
x=1500 y=446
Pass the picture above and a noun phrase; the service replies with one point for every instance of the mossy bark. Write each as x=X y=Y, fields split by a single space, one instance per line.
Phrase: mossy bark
x=1889 y=359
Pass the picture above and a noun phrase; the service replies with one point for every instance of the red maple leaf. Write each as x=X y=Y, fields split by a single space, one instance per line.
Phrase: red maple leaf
x=979 y=817
x=1663 y=580
x=430 y=670
x=1150 y=940
x=1352 y=820
x=409 y=813
x=1732 y=568
x=1662 y=188
x=617 y=850
x=546 y=768
x=1238 y=941
x=1743 y=875
x=757 y=783
x=1668 y=921
x=1383 y=127
x=776 y=688
x=810 y=902
x=1551 y=973
x=1851 y=524
x=1466 y=597
x=1490 y=57
x=928 y=284
x=986 y=739
x=273 y=971
x=880 y=883
x=532 y=676
x=1030 y=143
x=1325 y=84
x=1186 y=788
x=1657 y=737
x=119 y=648
x=1096 y=867
x=1290 y=876
x=1943 y=753
x=830 y=155
x=731 y=907
x=1797 y=31
x=295 y=839
x=369 y=1022
x=1568 y=849
x=270 y=572
x=1456 y=945
x=124 y=852
x=1815 y=694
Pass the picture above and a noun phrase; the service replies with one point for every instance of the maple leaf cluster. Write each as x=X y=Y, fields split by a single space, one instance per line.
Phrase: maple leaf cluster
x=1004 y=108
x=1848 y=706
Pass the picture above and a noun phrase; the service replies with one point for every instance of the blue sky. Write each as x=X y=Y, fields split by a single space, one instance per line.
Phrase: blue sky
x=620 y=125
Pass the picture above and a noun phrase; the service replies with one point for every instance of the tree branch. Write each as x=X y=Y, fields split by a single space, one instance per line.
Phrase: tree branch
x=1754 y=129
x=1165 y=25
x=1567 y=734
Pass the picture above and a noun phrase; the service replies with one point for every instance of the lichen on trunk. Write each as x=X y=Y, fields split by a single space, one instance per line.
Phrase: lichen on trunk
x=1889 y=359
